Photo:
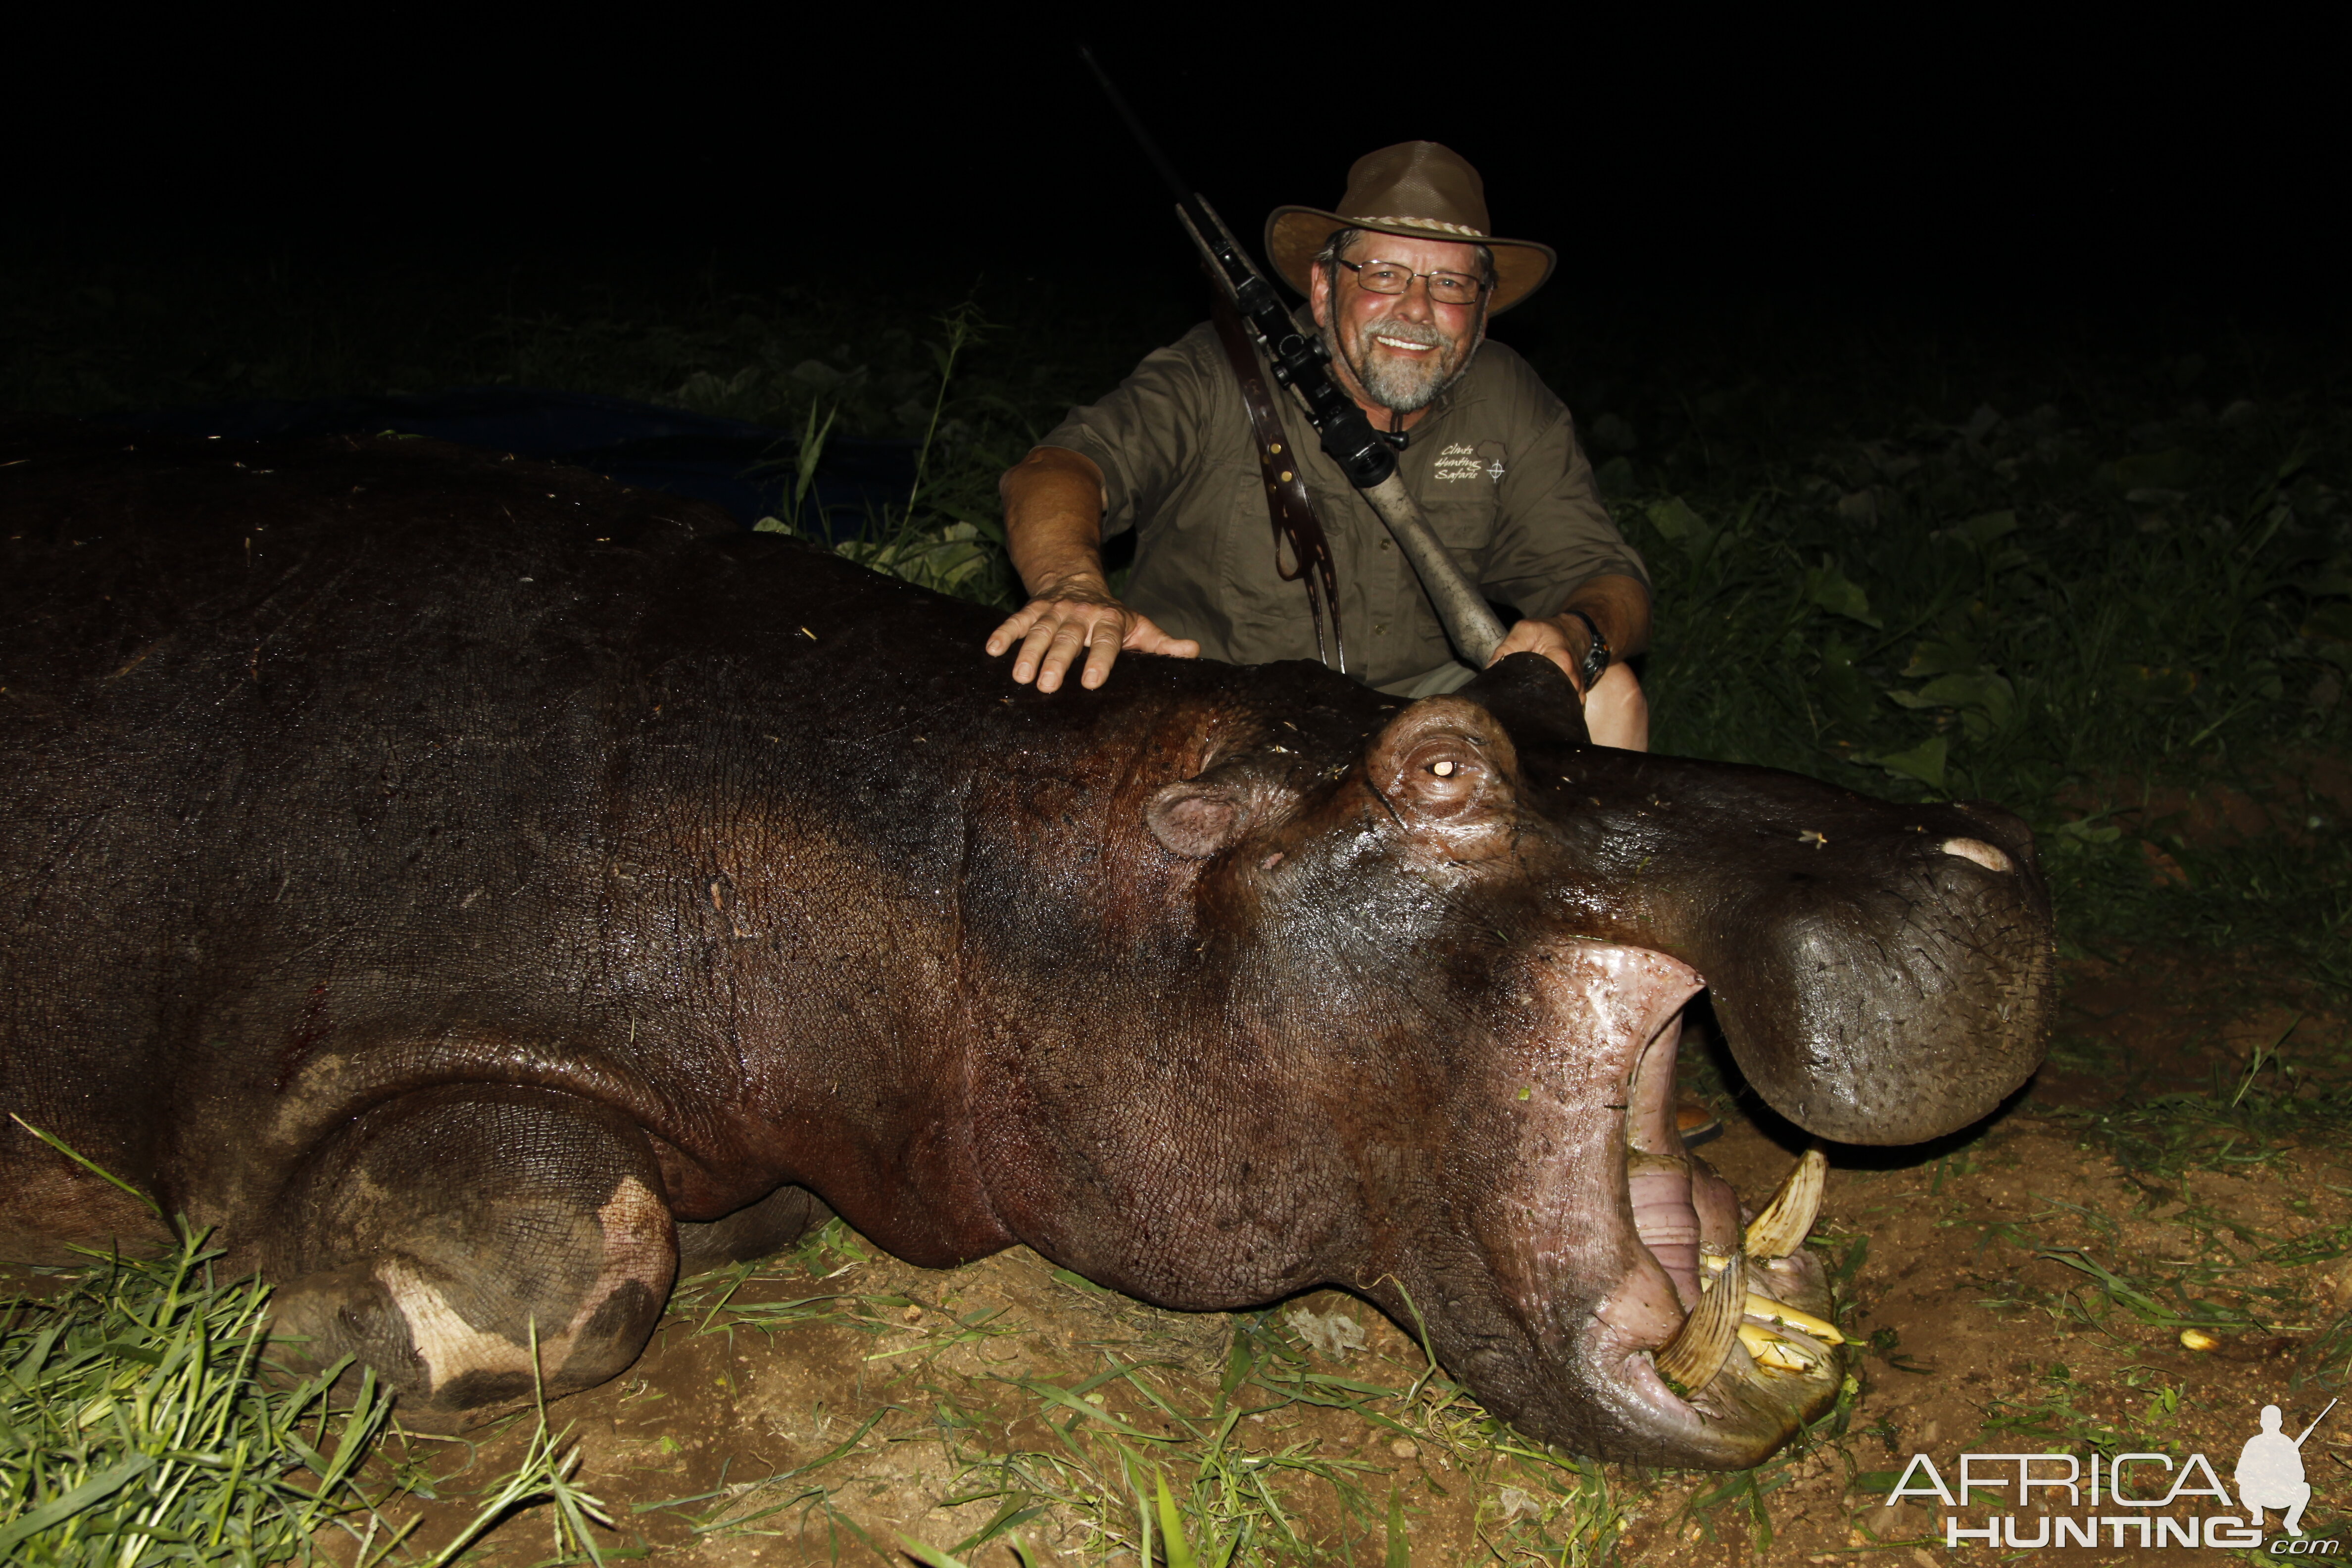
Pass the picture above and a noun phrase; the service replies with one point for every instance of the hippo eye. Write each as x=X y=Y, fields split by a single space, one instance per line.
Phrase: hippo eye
x=1442 y=769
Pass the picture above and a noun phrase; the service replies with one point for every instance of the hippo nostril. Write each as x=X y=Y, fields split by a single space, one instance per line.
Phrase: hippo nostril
x=1977 y=850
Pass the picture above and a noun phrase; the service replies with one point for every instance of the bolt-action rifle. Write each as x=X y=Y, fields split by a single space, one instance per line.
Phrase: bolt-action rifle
x=1302 y=363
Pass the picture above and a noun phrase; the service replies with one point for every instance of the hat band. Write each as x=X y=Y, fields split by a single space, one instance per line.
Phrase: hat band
x=1438 y=224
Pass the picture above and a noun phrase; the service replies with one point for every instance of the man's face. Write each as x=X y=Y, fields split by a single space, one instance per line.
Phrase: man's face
x=1403 y=349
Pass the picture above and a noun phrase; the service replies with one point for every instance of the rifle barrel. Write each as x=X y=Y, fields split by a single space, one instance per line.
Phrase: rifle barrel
x=1167 y=174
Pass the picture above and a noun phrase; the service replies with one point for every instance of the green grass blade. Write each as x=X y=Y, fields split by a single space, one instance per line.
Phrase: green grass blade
x=1179 y=1550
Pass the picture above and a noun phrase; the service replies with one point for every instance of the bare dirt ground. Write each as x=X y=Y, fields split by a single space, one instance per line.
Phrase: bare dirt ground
x=2023 y=1288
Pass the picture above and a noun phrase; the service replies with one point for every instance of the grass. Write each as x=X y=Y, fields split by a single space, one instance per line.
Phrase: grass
x=1155 y=1450
x=2248 y=1117
x=140 y=1422
x=137 y=1427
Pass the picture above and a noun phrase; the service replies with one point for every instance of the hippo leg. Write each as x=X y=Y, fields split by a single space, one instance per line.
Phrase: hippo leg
x=434 y=1235
x=759 y=1230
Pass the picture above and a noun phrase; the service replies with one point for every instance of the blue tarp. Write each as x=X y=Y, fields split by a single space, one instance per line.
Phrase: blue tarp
x=747 y=469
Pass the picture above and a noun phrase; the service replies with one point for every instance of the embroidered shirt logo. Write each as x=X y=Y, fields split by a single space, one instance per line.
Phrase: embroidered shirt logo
x=1458 y=462
x=1464 y=462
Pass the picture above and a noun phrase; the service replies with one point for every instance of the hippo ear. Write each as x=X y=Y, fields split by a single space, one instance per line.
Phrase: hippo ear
x=1203 y=815
x=1443 y=759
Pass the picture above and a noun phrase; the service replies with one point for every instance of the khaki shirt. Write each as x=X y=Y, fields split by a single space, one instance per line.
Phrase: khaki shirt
x=1495 y=463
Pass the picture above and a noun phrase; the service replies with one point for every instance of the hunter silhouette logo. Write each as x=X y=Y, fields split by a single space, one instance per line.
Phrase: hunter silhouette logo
x=2270 y=1471
x=2095 y=1491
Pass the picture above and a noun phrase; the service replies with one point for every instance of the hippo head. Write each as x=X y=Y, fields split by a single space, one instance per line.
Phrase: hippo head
x=1474 y=935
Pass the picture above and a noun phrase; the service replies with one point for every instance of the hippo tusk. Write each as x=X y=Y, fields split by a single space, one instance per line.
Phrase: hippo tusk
x=1977 y=850
x=1781 y=1228
x=1781 y=1315
x=1772 y=1352
x=1698 y=1352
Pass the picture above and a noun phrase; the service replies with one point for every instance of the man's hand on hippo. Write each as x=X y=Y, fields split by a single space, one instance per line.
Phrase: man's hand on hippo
x=1615 y=711
x=1068 y=618
x=1053 y=527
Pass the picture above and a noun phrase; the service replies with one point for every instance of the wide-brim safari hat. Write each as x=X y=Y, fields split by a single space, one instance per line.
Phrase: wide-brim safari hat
x=1418 y=190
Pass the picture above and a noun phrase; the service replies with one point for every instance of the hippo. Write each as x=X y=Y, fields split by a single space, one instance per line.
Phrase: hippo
x=482 y=893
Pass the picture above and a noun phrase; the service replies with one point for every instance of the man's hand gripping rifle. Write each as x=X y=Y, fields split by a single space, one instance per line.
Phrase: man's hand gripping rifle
x=1302 y=363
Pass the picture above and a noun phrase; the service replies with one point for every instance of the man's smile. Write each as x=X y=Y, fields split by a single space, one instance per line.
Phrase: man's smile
x=1401 y=344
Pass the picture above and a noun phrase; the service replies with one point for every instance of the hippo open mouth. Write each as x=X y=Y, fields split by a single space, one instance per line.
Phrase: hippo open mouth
x=1748 y=1351
x=1717 y=1341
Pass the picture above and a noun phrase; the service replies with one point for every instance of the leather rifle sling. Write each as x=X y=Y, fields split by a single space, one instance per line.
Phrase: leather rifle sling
x=1286 y=493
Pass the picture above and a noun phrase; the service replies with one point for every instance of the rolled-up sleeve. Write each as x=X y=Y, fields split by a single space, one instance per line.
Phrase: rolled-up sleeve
x=1143 y=433
x=1555 y=534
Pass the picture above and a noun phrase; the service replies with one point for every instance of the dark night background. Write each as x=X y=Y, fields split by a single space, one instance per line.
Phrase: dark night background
x=2068 y=171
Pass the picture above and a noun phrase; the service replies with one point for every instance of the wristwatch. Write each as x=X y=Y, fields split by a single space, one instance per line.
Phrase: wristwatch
x=1596 y=656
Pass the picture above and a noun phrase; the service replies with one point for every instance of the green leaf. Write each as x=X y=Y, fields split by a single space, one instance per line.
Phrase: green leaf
x=1400 y=1553
x=1923 y=762
x=2166 y=470
x=2329 y=622
x=1982 y=529
x=2154 y=688
x=931 y=1555
x=1843 y=689
x=1674 y=517
x=1833 y=591
x=96 y=1489
x=1951 y=654
x=1986 y=702
x=1171 y=1528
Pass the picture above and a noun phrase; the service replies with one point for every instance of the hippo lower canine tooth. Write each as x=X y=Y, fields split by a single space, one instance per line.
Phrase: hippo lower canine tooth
x=1789 y=1219
x=1774 y=1353
x=1781 y=1315
x=1696 y=1353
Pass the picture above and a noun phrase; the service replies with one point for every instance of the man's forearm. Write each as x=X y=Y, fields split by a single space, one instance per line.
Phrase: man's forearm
x=1620 y=606
x=1053 y=505
x=1053 y=521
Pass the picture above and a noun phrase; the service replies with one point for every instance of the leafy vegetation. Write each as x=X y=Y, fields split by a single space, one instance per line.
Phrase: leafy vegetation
x=2048 y=612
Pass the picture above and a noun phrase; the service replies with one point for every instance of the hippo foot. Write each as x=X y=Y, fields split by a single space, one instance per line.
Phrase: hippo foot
x=474 y=1245
x=759 y=1230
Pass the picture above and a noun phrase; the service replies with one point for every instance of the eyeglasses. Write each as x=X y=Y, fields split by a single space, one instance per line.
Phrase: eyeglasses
x=1390 y=278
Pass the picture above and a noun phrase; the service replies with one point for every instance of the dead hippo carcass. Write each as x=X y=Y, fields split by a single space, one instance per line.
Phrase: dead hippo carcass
x=482 y=892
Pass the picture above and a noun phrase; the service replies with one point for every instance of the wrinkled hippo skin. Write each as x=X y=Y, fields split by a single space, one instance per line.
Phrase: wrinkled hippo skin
x=482 y=892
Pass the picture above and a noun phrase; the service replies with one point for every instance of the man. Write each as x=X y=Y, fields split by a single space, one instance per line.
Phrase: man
x=1401 y=279
x=2270 y=1473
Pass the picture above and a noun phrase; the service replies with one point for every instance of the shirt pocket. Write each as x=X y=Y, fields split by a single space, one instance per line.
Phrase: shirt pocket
x=1465 y=518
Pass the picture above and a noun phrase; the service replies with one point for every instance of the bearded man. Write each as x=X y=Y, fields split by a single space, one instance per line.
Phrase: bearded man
x=1401 y=279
